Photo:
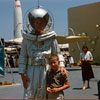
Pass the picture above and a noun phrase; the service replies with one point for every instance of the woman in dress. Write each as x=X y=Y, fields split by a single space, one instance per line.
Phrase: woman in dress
x=87 y=72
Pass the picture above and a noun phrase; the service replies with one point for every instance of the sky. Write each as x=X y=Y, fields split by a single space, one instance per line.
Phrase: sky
x=58 y=8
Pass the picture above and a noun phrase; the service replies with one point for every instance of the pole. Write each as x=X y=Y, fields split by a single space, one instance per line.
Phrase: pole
x=38 y=4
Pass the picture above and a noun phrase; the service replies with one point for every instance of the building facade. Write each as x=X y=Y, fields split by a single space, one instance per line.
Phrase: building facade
x=85 y=20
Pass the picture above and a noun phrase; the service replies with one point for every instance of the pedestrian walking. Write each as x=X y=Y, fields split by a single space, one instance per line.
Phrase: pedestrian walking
x=87 y=72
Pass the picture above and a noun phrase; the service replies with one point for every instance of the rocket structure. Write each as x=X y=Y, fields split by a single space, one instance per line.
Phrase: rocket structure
x=18 y=25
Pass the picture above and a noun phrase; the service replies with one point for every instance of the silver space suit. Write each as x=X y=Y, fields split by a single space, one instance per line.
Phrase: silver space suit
x=35 y=50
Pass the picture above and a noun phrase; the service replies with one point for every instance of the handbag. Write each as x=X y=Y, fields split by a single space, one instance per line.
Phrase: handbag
x=79 y=63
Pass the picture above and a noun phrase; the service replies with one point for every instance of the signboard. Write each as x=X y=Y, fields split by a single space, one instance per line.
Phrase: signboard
x=1 y=60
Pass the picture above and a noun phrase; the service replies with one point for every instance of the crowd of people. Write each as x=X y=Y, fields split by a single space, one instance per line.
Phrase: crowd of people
x=69 y=60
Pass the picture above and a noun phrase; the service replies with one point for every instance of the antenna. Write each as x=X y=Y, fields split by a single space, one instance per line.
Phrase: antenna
x=38 y=4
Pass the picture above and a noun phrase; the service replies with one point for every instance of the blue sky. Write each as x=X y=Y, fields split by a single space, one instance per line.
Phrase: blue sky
x=57 y=7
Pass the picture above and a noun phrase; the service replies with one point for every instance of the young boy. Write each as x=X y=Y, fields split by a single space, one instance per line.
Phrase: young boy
x=56 y=82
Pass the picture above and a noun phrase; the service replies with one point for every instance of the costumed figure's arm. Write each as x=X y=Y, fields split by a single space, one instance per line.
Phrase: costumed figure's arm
x=23 y=63
x=23 y=58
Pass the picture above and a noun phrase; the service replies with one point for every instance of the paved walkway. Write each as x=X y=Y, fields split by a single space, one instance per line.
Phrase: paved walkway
x=74 y=92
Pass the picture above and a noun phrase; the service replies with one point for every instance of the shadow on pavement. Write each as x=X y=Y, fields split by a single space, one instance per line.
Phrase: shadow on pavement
x=77 y=88
x=73 y=69
x=96 y=94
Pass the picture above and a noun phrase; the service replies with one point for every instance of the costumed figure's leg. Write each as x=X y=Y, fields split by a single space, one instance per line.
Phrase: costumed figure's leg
x=37 y=85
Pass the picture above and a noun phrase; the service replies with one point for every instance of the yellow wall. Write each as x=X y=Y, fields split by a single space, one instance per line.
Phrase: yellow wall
x=83 y=19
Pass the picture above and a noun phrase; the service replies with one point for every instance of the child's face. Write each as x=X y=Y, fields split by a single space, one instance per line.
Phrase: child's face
x=54 y=64
x=39 y=25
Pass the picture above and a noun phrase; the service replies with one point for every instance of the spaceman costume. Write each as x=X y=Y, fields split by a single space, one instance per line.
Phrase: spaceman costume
x=35 y=50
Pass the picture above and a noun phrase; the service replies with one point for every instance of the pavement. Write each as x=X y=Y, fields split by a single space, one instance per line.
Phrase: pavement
x=74 y=92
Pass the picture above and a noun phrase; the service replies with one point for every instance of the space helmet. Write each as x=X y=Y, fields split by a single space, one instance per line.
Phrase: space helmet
x=39 y=13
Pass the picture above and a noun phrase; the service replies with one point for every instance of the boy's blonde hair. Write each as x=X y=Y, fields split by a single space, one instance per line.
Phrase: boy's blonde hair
x=53 y=57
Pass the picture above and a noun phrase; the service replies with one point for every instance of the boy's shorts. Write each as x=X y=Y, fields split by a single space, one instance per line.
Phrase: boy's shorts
x=58 y=95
